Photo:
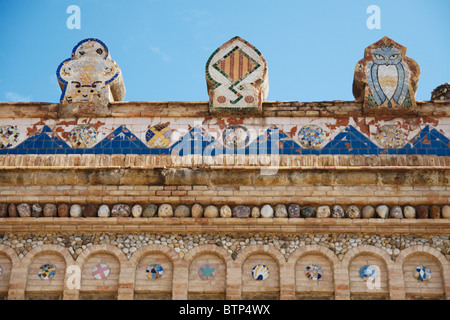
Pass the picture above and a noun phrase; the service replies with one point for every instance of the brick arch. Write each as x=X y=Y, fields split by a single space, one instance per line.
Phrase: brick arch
x=311 y=249
x=431 y=252
x=47 y=248
x=421 y=249
x=368 y=249
x=101 y=248
x=263 y=249
x=209 y=248
x=154 y=248
x=11 y=254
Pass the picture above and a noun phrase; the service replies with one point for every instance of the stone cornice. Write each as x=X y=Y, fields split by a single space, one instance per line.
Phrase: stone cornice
x=200 y=109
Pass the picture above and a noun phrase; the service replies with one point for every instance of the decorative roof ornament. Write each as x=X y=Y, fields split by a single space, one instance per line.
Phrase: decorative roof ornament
x=441 y=93
x=237 y=78
x=385 y=78
x=90 y=75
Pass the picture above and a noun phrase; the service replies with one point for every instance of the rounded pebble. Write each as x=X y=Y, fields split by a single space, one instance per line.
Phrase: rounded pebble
x=89 y=211
x=256 y=213
x=197 y=211
x=307 y=212
x=63 y=210
x=50 y=210
x=323 y=212
x=382 y=211
x=409 y=212
x=422 y=212
x=396 y=212
x=435 y=212
x=136 y=211
x=225 y=212
x=165 y=210
x=338 y=212
x=368 y=212
x=281 y=211
x=3 y=210
x=103 y=211
x=150 y=211
x=267 y=211
x=36 y=210
x=24 y=210
x=241 y=212
x=353 y=212
x=182 y=211
x=446 y=212
x=211 y=212
x=12 y=210
x=294 y=211
x=76 y=211
x=120 y=210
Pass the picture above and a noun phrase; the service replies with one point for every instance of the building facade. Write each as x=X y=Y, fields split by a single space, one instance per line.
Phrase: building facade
x=231 y=198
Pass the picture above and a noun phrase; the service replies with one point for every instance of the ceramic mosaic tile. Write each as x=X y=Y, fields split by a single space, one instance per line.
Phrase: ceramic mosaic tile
x=367 y=271
x=9 y=136
x=214 y=138
x=154 y=271
x=207 y=271
x=385 y=77
x=100 y=271
x=236 y=76
x=422 y=273
x=312 y=137
x=260 y=272
x=47 y=271
x=90 y=74
x=313 y=272
x=83 y=136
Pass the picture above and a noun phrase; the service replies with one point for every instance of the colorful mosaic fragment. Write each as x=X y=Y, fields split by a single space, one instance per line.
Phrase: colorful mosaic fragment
x=101 y=271
x=422 y=273
x=83 y=136
x=237 y=77
x=368 y=271
x=236 y=137
x=9 y=135
x=47 y=271
x=154 y=271
x=159 y=136
x=311 y=136
x=260 y=272
x=313 y=272
x=390 y=137
x=90 y=74
x=385 y=77
x=207 y=271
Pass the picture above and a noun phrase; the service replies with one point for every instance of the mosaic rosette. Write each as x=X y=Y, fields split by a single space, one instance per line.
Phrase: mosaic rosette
x=311 y=137
x=260 y=272
x=159 y=136
x=236 y=137
x=207 y=271
x=367 y=271
x=101 y=271
x=154 y=271
x=9 y=135
x=313 y=272
x=422 y=273
x=47 y=271
x=83 y=136
x=390 y=137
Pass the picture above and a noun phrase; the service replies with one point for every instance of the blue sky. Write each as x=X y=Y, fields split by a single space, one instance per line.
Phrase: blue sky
x=311 y=47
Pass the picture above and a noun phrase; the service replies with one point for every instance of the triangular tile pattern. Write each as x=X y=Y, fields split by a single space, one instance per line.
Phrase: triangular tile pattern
x=197 y=142
x=123 y=141
x=350 y=141
x=192 y=143
x=43 y=142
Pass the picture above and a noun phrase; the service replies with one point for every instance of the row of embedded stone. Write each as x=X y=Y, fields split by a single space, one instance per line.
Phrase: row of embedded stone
x=129 y=243
x=198 y=211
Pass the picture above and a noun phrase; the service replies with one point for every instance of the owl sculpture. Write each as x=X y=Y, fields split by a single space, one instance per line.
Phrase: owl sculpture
x=386 y=78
